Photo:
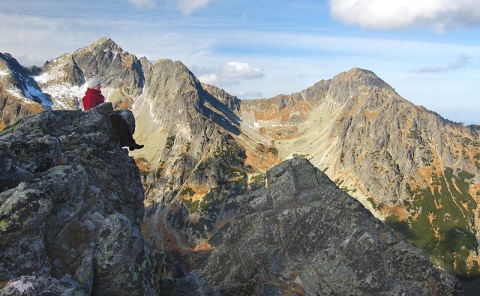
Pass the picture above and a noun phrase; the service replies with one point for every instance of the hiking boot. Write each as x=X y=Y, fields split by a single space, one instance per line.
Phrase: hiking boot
x=135 y=146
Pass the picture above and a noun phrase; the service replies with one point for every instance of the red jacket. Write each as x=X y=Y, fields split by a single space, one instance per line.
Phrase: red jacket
x=92 y=98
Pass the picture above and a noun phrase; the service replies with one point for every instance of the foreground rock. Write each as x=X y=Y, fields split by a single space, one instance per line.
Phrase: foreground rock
x=71 y=208
x=304 y=236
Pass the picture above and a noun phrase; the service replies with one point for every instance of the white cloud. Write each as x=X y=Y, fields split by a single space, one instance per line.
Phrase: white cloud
x=143 y=4
x=33 y=40
x=209 y=78
x=395 y=14
x=229 y=73
x=189 y=6
x=232 y=74
x=236 y=70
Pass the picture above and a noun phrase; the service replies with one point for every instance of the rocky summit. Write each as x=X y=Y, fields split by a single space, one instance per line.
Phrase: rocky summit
x=71 y=208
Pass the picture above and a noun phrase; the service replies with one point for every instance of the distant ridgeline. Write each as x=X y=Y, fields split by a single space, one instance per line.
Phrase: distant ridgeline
x=206 y=151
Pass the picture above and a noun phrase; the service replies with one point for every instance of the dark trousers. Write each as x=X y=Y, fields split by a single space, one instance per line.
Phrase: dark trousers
x=123 y=130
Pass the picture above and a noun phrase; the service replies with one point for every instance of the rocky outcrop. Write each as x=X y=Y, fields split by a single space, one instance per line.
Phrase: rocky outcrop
x=304 y=236
x=71 y=208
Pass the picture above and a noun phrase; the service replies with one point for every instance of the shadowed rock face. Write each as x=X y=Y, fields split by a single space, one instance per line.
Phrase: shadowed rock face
x=303 y=235
x=71 y=208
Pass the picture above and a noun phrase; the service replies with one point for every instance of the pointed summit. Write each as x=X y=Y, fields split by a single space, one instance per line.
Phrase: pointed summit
x=104 y=46
x=350 y=84
x=108 y=62
x=105 y=43
x=365 y=77
x=171 y=88
x=360 y=77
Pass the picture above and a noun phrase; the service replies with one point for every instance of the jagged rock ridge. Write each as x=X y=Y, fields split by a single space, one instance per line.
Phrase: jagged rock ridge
x=60 y=83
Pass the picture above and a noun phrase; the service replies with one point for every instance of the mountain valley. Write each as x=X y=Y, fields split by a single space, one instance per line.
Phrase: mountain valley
x=209 y=156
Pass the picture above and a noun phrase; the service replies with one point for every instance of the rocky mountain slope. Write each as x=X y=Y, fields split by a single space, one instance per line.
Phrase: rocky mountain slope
x=206 y=150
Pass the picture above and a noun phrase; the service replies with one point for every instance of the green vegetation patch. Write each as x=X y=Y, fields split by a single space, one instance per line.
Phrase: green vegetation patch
x=257 y=181
x=262 y=149
x=188 y=191
x=193 y=206
x=170 y=142
x=450 y=211
x=202 y=227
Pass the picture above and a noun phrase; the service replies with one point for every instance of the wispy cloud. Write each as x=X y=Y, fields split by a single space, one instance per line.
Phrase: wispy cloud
x=143 y=4
x=461 y=62
x=393 y=14
x=189 y=6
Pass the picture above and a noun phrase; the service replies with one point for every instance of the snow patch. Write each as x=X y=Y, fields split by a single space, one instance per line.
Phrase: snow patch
x=140 y=102
x=65 y=94
x=155 y=120
x=32 y=93
x=19 y=95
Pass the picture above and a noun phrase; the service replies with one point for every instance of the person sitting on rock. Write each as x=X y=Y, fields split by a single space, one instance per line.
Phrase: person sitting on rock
x=93 y=97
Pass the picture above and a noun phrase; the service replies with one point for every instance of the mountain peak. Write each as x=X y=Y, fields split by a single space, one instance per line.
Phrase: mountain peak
x=363 y=77
x=105 y=43
x=347 y=85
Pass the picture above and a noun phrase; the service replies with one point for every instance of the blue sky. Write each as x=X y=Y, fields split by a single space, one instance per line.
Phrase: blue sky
x=429 y=51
